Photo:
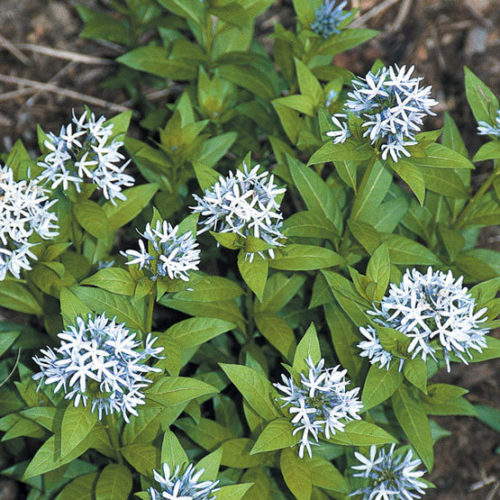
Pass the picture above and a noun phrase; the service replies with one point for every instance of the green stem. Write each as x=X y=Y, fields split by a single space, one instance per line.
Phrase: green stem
x=151 y=307
x=250 y=314
x=114 y=436
x=475 y=199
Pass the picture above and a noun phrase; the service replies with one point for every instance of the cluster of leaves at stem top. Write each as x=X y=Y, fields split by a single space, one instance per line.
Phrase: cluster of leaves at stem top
x=251 y=300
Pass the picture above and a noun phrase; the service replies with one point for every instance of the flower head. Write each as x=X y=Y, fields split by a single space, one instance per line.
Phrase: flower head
x=319 y=403
x=244 y=203
x=168 y=254
x=434 y=311
x=84 y=151
x=487 y=129
x=328 y=18
x=99 y=360
x=392 y=106
x=25 y=211
x=185 y=486
x=390 y=474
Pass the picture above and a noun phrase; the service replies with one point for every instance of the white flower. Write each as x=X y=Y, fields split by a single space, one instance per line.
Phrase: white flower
x=244 y=203
x=392 y=106
x=434 y=311
x=487 y=129
x=328 y=18
x=319 y=403
x=86 y=154
x=170 y=254
x=185 y=486
x=391 y=475
x=99 y=360
x=24 y=211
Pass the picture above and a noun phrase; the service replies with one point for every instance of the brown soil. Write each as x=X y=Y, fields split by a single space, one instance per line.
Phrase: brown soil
x=438 y=36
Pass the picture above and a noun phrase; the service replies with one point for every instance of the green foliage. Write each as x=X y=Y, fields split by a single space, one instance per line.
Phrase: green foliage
x=353 y=224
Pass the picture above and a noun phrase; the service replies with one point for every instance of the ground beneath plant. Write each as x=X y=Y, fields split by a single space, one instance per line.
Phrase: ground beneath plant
x=438 y=36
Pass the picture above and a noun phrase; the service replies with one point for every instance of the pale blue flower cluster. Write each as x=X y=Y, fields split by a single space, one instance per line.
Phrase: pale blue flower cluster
x=245 y=203
x=24 y=211
x=391 y=475
x=99 y=360
x=435 y=312
x=169 y=253
x=392 y=106
x=85 y=151
x=487 y=129
x=328 y=18
x=185 y=486
x=319 y=402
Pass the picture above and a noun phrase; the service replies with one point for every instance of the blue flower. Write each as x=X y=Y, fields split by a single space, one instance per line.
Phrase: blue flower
x=328 y=18
x=391 y=475
x=487 y=129
x=392 y=106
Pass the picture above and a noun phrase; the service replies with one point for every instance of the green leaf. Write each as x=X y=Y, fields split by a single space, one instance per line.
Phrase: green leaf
x=210 y=289
x=439 y=156
x=206 y=176
x=15 y=296
x=254 y=273
x=489 y=416
x=413 y=176
x=255 y=388
x=488 y=151
x=415 y=371
x=308 y=346
x=233 y=491
x=413 y=420
x=315 y=192
x=361 y=433
x=296 y=474
x=345 y=337
x=172 y=451
x=195 y=331
x=277 y=331
x=102 y=301
x=72 y=306
x=308 y=224
x=154 y=60
x=236 y=453
x=341 y=152
x=276 y=435
x=345 y=40
x=125 y=210
x=114 y=483
x=82 y=488
x=308 y=83
x=451 y=136
x=325 y=475
x=7 y=339
x=206 y=433
x=178 y=390
x=142 y=457
x=91 y=217
x=371 y=192
x=305 y=258
x=48 y=457
x=114 y=280
x=77 y=424
x=380 y=385
x=250 y=78
x=379 y=270
x=404 y=251
x=481 y=99
x=444 y=182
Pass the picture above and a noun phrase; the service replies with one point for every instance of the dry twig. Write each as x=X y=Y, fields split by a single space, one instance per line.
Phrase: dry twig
x=358 y=23
x=64 y=54
x=49 y=87
x=13 y=50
